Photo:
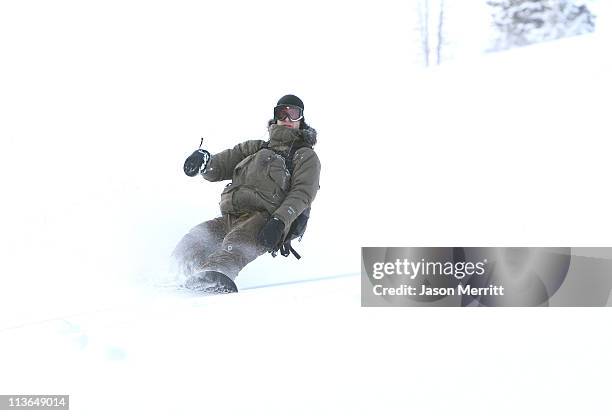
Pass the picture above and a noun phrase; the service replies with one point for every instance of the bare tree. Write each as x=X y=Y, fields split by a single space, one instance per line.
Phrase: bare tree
x=432 y=41
x=440 y=34
x=423 y=6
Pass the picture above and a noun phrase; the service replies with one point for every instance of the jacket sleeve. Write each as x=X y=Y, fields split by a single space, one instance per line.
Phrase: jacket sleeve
x=304 y=187
x=221 y=165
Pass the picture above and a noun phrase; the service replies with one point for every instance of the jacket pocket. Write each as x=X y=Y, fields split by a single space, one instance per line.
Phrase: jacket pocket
x=278 y=173
x=244 y=162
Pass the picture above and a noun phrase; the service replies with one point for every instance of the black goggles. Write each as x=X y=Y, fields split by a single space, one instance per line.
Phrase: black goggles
x=281 y=112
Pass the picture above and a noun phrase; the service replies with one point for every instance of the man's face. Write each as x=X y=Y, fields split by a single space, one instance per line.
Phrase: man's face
x=289 y=123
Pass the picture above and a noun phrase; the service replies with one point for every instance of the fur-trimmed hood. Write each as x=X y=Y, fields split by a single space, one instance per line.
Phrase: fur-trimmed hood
x=284 y=138
x=307 y=135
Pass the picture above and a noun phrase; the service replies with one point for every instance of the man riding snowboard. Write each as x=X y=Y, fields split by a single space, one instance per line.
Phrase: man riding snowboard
x=266 y=205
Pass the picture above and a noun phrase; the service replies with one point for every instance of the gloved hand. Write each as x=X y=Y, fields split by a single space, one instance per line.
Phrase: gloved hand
x=271 y=233
x=193 y=164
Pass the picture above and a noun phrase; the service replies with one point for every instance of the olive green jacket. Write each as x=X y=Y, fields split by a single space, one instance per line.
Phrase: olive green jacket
x=260 y=178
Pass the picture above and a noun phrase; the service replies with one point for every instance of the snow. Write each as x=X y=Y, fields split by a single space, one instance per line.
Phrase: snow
x=165 y=353
x=98 y=114
x=303 y=349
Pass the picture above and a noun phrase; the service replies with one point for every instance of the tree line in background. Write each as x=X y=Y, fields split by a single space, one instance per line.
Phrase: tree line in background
x=516 y=23
x=523 y=22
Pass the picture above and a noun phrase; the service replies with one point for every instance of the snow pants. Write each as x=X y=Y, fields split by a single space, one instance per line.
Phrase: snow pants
x=224 y=244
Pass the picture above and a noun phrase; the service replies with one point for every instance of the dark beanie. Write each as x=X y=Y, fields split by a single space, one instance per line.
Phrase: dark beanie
x=291 y=100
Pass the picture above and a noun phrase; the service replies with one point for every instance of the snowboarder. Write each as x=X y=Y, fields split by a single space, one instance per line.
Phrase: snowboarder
x=266 y=205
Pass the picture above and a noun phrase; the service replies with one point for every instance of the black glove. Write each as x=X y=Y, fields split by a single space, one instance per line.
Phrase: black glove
x=193 y=164
x=271 y=233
